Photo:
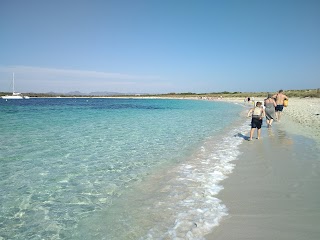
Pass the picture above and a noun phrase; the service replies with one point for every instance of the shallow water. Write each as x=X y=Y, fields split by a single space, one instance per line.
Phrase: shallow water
x=114 y=168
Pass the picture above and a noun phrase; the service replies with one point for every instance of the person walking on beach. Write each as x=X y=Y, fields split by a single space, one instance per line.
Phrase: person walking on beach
x=270 y=105
x=257 y=114
x=280 y=97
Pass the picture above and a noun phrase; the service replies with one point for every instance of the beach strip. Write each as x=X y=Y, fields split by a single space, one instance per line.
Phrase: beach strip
x=273 y=191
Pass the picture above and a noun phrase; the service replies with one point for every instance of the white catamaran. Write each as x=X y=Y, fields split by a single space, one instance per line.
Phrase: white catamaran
x=15 y=95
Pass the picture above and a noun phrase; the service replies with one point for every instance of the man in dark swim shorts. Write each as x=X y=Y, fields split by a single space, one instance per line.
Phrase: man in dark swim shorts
x=280 y=97
x=279 y=108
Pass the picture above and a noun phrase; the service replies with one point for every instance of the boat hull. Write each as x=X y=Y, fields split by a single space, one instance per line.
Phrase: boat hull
x=12 y=97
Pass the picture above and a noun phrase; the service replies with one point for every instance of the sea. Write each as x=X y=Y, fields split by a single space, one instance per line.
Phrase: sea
x=115 y=168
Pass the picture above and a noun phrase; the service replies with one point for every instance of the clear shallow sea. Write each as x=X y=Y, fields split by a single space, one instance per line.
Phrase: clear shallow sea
x=115 y=168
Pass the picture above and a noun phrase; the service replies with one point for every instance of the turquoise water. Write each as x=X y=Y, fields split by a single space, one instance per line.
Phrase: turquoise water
x=114 y=168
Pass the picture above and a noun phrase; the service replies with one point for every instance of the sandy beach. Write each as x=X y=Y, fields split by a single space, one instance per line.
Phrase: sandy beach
x=273 y=191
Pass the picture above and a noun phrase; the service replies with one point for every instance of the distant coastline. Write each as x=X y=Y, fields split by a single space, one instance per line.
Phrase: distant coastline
x=312 y=93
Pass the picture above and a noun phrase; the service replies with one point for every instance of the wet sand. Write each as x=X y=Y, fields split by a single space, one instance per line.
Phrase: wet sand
x=273 y=192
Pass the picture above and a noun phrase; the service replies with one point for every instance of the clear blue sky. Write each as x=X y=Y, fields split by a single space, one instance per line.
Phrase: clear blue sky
x=159 y=46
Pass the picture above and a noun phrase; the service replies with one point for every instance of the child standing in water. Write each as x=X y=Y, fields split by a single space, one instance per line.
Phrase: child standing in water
x=257 y=114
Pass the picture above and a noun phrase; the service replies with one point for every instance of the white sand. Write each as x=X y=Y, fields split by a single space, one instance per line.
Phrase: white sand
x=304 y=116
x=273 y=191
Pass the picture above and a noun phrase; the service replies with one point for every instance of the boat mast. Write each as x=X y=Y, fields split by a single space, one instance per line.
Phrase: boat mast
x=12 y=82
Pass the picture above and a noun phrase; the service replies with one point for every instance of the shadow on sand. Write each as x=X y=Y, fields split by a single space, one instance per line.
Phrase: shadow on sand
x=242 y=136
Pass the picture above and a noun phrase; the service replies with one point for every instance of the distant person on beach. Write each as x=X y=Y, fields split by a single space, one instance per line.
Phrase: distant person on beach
x=252 y=100
x=270 y=105
x=257 y=114
x=280 y=97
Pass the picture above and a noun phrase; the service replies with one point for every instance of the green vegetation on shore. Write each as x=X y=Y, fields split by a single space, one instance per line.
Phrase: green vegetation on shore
x=290 y=93
x=313 y=93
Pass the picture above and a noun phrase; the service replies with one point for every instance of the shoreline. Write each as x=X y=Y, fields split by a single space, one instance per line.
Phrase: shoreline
x=271 y=192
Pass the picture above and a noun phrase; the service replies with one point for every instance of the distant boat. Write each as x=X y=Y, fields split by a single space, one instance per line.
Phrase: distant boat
x=15 y=95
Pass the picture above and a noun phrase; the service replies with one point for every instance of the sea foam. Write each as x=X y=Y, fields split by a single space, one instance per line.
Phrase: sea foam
x=199 y=181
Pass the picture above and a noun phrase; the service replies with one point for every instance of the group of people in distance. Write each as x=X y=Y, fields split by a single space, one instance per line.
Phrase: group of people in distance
x=273 y=106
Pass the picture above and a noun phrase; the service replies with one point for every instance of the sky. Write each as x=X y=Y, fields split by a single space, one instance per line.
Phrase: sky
x=159 y=46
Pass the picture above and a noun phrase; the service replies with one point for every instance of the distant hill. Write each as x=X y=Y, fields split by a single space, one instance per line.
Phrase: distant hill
x=106 y=93
x=77 y=93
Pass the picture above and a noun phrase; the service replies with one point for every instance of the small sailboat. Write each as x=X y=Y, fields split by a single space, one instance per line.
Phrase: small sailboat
x=15 y=95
